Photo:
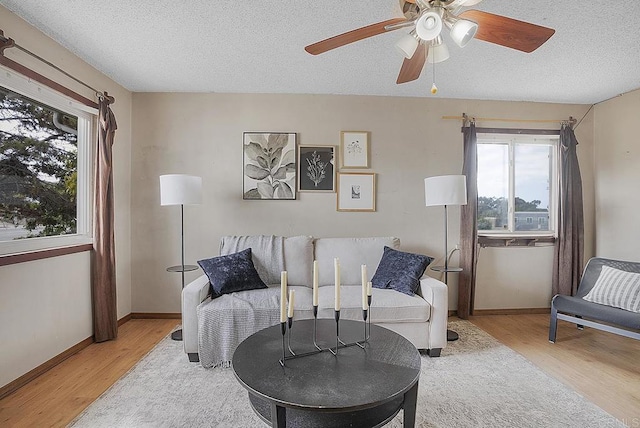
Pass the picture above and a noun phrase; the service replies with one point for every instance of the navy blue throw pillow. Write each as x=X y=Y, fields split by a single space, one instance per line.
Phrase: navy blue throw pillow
x=233 y=272
x=400 y=271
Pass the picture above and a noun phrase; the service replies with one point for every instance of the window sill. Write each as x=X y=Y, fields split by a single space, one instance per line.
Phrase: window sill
x=515 y=240
x=11 y=259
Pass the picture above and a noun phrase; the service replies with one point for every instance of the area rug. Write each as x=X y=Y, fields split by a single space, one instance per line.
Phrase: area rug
x=477 y=382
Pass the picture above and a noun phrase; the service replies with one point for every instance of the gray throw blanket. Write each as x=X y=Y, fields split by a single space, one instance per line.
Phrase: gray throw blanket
x=227 y=320
x=224 y=322
x=267 y=253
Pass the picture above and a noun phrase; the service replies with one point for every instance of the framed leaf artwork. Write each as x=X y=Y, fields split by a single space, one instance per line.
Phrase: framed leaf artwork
x=269 y=165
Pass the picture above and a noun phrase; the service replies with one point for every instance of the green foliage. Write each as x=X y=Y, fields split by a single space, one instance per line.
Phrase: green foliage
x=492 y=211
x=38 y=162
x=522 y=205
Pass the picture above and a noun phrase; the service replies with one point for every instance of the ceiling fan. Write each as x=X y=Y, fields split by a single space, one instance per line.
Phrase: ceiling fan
x=427 y=19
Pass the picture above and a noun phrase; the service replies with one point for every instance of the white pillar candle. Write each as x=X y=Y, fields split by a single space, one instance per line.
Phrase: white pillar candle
x=291 y=295
x=283 y=296
x=363 y=268
x=336 y=265
x=369 y=288
x=315 y=283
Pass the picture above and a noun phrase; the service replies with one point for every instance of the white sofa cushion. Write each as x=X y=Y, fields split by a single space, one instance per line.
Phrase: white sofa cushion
x=387 y=306
x=352 y=253
x=298 y=260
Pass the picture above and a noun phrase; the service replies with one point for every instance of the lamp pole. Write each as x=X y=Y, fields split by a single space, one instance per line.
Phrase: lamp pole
x=180 y=189
x=182 y=239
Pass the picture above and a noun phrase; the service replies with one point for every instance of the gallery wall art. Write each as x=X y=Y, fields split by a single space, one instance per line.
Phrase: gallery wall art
x=356 y=191
x=316 y=168
x=354 y=149
x=269 y=165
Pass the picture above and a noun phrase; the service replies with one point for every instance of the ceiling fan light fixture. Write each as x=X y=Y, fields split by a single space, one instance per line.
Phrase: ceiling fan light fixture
x=462 y=31
x=429 y=25
x=468 y=3
x=408 y=44
x=438 y=51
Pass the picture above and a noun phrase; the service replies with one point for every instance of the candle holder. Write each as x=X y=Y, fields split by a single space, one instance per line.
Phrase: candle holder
x=315 y=327
x=286 y=345
x=290 y=323
x=283 y=328
x=365 y=338
x=336 y=314
x=368 y=334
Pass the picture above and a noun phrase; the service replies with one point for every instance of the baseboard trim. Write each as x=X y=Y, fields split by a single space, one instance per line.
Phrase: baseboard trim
x=155 y=315
x=124 y=319
x=453 y=313
x=523 y=311
x=42 y=368
x=48 y=365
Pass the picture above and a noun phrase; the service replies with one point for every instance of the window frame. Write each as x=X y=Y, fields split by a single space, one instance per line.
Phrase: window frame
x=510 y=138
x=87 y=122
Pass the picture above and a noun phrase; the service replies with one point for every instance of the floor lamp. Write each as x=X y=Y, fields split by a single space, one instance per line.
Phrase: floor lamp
x=446 y=190
x=180 y=189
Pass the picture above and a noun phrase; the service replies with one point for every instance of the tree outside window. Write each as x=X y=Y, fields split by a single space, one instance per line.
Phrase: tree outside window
x=38 y=169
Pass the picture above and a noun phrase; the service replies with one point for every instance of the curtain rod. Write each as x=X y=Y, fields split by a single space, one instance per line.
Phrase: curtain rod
x=466 y=118
x=6 y=42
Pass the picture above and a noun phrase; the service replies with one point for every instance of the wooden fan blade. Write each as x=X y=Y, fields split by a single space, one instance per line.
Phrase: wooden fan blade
x=352 y=36
x=412 y=67
x=503 y=31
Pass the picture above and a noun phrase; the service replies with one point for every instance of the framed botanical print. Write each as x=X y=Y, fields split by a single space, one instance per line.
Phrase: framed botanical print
x=356 y=191
x=269 y=165
x=316 y=168
x=354 y=149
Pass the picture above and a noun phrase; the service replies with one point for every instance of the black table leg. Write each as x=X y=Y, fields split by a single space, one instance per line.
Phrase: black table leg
x=409 y=406
x=279 y=416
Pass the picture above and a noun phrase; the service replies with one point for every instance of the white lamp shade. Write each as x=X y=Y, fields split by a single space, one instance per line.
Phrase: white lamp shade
x=438 y=53
x=445 y=190
x=462 y=31
x=407 y=45
x=180 y=189
x=429 y=25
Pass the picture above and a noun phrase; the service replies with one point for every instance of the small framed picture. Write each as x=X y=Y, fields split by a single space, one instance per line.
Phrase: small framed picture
x=356 y=191
x=316 y=168
x=269 y=165
x=354 y=149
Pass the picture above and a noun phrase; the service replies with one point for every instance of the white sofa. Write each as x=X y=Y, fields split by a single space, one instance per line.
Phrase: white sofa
x=421 y=318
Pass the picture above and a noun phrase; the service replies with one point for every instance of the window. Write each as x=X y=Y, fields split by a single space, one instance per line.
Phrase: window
x=516 y=184
x=44 y=167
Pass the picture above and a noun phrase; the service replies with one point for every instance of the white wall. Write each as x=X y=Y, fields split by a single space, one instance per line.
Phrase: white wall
x=45 y=308
x=45 y=305
x=201 y=134
x=617 y=176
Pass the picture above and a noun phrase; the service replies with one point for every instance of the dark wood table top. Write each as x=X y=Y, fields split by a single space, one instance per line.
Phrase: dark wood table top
x=354 y=380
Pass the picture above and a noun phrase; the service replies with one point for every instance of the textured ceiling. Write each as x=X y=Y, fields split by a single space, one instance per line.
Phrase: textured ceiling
x=258 y=47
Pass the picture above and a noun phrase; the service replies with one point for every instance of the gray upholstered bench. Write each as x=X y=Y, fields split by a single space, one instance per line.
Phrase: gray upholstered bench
x=577 y=310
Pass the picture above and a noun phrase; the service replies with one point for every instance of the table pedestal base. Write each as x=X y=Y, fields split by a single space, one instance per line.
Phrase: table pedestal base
x=374 y=417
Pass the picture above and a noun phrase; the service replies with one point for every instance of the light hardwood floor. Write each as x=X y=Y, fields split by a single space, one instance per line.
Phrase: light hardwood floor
x=600 y=366
x=603 y=367
x=59 y=395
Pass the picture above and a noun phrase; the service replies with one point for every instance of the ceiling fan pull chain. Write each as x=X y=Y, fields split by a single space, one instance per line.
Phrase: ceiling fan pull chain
x=434 y=88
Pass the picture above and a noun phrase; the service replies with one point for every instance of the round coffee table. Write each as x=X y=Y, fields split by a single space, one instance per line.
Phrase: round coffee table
x=358 y=388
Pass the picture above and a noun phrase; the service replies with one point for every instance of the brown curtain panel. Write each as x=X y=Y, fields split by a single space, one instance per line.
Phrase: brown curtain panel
x=103 y=284
x=469 y=225
x=569 y=250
